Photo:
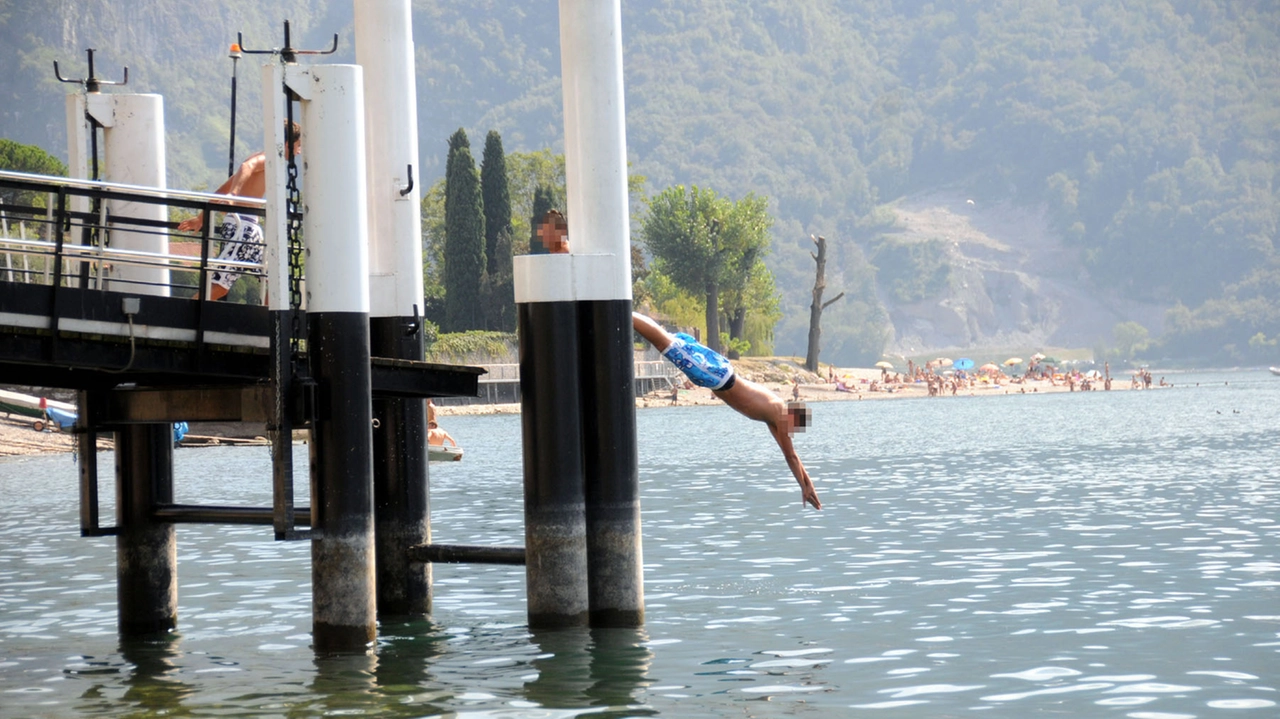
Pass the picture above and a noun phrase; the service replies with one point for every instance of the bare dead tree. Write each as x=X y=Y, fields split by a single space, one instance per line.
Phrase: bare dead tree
x=815 y=309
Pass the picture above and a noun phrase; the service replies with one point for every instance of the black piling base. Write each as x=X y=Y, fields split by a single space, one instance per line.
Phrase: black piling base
x=401 y=483
x=615 y=566
x=342 y=552
x=554 y=511
x=146 y=550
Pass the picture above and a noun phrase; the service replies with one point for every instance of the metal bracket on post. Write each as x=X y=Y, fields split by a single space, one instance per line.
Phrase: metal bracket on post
x=91 y=83
x=409 y=187
x=288 y=53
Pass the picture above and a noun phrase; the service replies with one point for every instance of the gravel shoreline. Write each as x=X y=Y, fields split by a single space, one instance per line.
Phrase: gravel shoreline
x=18 y=438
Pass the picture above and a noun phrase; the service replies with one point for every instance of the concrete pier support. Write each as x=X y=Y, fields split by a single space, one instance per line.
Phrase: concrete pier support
x=402 y=504
x=384 y=48
x=146 y=550
x=600 y=233
x=336 y=230
x=576 y=373
x=610 y=463
x=554 y=508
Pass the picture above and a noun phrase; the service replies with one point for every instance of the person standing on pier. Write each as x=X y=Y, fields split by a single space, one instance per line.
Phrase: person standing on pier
x=241 y=234
x=708 y=368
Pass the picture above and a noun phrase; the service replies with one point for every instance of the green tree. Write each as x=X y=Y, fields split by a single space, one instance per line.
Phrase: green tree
x=1131 y=338
x=707 y=244
x=746 y=284
x=497 y=198
x=29 y=159
x=464 y=266
x=499 y=295
x=499 y=291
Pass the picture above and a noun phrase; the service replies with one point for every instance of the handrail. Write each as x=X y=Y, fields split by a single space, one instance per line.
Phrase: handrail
x=153 y=192
x=138 y=258
x=68 y=237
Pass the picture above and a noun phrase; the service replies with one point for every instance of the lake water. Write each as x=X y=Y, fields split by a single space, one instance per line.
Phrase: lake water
x=1080 y=555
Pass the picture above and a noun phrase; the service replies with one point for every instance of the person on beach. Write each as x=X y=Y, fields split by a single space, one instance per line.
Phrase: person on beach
x=241 y=235
x=708 y=368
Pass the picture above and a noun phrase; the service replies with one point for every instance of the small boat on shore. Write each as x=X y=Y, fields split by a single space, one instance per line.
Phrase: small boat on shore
x=42 y=410
x=442 y=453
x=1275 y=371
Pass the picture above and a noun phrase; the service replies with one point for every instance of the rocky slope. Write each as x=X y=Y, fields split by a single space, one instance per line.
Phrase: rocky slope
x=1012 y=283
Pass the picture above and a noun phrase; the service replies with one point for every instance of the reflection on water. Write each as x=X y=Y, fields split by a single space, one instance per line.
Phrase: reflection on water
x=602 y=668
x=1079 y=555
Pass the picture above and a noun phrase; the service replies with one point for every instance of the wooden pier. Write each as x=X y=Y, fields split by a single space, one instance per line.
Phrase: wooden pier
x=142 y=356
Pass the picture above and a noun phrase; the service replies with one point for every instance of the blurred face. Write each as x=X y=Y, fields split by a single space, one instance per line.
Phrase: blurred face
x=799 y=417
x=554 y=233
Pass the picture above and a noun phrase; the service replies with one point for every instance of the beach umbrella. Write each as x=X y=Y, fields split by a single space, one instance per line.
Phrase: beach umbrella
x=989 y=367
x=1012 y=361
x=1037 y=357
x=1049 y=360
x=963 y=363
x=882 y=364
x=943 y=361
x=1093 y=374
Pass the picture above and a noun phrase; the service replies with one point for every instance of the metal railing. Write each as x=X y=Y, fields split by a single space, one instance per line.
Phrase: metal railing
x=82 y=233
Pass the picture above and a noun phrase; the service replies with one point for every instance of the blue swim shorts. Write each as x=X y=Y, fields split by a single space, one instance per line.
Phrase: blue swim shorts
x=703 y=366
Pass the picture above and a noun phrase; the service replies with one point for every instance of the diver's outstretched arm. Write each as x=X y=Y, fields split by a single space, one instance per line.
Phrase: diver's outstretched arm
x=651 y=331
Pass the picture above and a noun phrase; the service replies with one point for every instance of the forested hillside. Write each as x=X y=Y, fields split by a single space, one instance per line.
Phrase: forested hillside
x=1147 y=134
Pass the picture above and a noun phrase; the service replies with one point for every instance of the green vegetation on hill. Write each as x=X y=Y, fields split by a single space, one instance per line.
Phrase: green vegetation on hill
x=1148 y=131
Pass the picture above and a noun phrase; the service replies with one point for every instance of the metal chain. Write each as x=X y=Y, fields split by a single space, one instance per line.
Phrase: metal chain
x=294 y=224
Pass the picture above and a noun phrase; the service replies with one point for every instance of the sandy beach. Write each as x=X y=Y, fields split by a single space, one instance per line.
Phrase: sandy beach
x=780 y=375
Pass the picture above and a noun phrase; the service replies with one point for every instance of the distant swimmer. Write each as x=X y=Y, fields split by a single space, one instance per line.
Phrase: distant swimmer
x=708 y=368
x=437 y=436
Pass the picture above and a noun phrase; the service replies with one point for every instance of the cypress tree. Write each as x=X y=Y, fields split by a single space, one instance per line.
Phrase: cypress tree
x=499 y=295
x=464 y=265
x=497 y=199
x=457 y=141
x=499 y=289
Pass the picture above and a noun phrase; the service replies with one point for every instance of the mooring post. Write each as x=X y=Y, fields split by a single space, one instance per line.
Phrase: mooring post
x=384 y=48
x=402 y=503
x=616 y=571
x=600 y=234
x=554 y=512
x=336 y=230
x=146 y=550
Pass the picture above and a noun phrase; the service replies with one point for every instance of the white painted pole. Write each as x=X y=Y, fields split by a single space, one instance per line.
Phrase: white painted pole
x=596 y=167
x=384 y=48
x=335 y=223
x=78 y=130
x=335 y=216
x=78 y=143
x=134 y=154
x=595 y=136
